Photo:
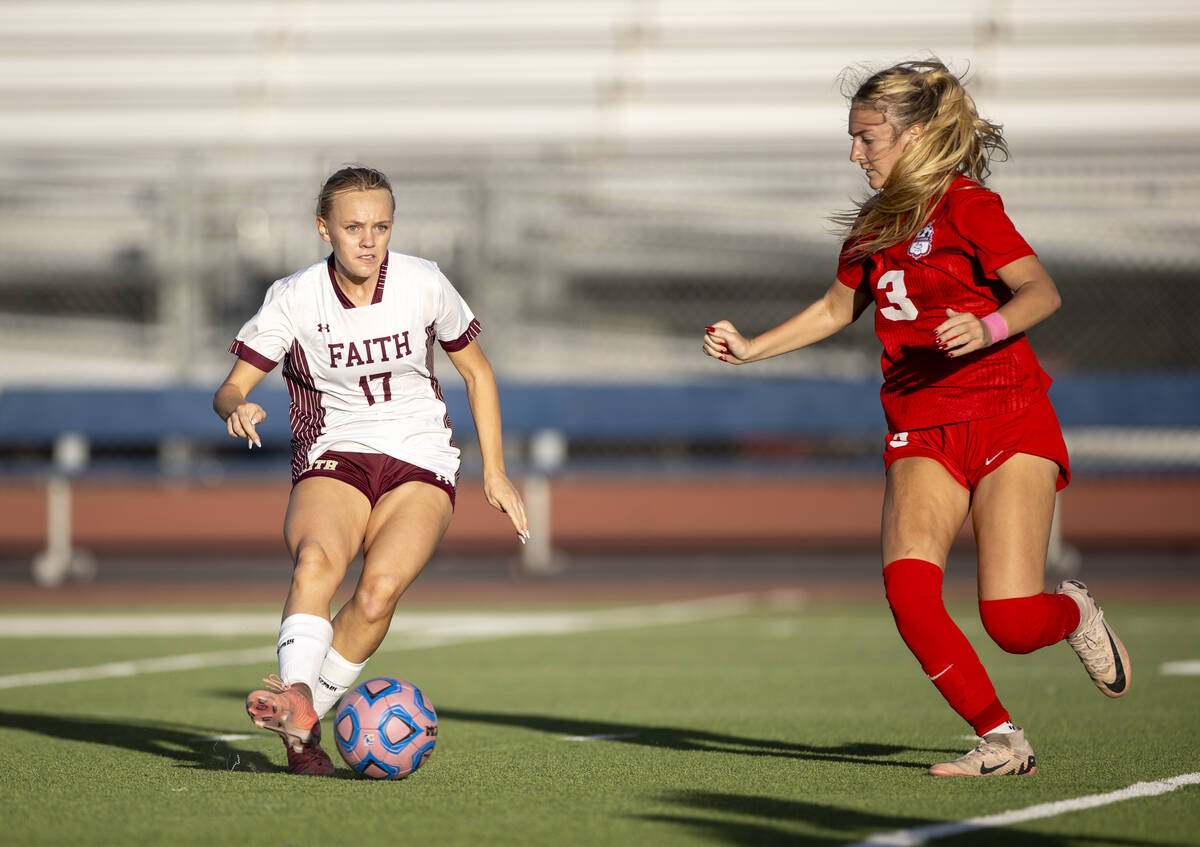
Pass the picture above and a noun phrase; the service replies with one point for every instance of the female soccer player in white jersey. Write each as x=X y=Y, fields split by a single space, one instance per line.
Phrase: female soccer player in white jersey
x=955 y=287
x=374 y=467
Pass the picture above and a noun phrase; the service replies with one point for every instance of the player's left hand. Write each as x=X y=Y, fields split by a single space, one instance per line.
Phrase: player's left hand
x=503 y=495
x=961 y=333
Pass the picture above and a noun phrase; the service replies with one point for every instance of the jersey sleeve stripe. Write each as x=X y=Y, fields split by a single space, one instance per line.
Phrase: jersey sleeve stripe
x=251 y=356
x=463 y=340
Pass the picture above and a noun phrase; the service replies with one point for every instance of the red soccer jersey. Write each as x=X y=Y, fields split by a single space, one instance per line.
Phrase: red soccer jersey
x=952 y=264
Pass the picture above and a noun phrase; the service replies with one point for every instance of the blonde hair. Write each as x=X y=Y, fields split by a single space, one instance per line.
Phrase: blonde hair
x=351 y=178
x=954 y=140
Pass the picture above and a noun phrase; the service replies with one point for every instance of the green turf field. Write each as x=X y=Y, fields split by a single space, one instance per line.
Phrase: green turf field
x=736 y=724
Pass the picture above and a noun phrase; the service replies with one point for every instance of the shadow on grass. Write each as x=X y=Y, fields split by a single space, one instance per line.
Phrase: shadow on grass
x=750 y=821
x=185 y=744
x=863 y=753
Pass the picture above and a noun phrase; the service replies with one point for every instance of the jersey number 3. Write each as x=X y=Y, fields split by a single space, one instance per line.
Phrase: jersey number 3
x=892 y=286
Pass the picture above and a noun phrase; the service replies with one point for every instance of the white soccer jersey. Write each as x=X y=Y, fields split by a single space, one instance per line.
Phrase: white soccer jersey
x=362 y=377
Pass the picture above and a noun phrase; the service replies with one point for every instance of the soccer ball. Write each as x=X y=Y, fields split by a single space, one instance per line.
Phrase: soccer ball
x=385 y=728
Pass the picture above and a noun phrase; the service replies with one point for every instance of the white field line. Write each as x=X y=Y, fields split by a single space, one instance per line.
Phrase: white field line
x=1190 y=668
x=434 y=624
x=106 y=626
x=408 y=632
x=924 y=834
x=187 y=662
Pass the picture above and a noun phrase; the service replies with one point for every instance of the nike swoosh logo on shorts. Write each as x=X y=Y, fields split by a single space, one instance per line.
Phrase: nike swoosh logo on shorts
x=994 y=458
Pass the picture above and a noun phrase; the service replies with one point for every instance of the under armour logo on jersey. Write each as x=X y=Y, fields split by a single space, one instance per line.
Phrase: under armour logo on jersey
x=898 y=440
x=922 y=244
x=322 y=327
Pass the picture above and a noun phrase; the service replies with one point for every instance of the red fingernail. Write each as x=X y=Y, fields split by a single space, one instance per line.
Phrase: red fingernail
x=710 y=329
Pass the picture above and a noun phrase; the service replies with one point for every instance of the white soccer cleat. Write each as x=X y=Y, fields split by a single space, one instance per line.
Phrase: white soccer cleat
x=998 y=754
x=1102 y=653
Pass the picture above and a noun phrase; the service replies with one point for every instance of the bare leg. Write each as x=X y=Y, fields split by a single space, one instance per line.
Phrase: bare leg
x=1013 y=508
x=402 y=533
x=924 y=508
x=324 y=528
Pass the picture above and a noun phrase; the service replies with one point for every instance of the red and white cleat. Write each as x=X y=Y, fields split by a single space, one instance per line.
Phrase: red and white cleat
x=287 y=710
x=312 y=760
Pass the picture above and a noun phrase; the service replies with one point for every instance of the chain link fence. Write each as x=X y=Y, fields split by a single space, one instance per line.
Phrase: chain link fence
x=584 y=270
x=581 y=270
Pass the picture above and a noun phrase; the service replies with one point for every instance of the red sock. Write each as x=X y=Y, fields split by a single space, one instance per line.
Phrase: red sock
x=1024 y=624
x=914 y=591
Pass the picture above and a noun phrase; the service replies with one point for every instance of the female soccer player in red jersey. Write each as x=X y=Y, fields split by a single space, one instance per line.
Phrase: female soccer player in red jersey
x=374 y=466
x=955 y=287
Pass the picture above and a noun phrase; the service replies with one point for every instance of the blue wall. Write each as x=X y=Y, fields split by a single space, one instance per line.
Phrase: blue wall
x=700 y=411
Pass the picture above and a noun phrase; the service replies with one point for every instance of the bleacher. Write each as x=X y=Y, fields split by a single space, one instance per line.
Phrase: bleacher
x=553 y=156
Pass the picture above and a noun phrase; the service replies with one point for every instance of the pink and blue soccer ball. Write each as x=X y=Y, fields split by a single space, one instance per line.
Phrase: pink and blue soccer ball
x=385 y=728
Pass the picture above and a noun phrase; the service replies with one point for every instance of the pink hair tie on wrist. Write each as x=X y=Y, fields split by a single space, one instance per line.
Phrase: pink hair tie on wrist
x=997 y=326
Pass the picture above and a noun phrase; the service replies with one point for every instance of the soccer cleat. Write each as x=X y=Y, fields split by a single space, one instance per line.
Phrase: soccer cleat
x=288 y=712
x=998 y=754
x=312 y=760
x=1102 y=653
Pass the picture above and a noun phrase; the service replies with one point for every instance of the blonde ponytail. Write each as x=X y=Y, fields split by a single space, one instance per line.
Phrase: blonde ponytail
x=953 y=140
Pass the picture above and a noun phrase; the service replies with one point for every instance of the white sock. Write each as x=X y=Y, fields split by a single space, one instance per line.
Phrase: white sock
x=303 y=642
x=337 y=675
x=1006 y=728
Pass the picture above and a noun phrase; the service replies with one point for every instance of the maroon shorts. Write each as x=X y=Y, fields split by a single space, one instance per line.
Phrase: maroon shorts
x=970 y=450
x=374 y=474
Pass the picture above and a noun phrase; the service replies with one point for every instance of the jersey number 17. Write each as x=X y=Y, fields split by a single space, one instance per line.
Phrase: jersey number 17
x=364 y=382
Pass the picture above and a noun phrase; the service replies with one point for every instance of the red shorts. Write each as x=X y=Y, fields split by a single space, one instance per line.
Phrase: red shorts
x=374 y=474
x=970 y=450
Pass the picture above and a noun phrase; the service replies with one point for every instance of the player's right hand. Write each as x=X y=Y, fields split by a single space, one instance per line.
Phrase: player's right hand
x=241 y=423
x=503 y=495
x=723 y=341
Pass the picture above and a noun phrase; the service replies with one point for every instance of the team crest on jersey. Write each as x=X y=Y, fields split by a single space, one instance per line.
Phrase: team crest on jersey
x=922 y=244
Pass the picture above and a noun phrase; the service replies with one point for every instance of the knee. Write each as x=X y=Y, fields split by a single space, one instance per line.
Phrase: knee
x=1011 y=625
x=912 y=584
x=376 y=597
x=313 y=564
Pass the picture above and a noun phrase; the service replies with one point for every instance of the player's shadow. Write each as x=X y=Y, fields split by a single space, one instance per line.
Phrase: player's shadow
x=673 y=738
x=192 y=747
x=746 y=820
